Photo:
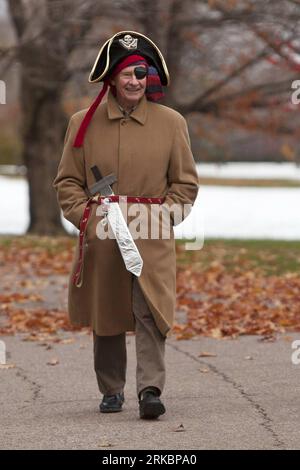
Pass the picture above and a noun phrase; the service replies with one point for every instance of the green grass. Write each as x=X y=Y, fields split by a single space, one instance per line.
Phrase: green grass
x=50 y=244
x=10 y=148
x=244 y=182
x=269 y=256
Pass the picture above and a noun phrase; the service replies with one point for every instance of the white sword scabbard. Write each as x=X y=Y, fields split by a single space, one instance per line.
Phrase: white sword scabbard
x=129 y=251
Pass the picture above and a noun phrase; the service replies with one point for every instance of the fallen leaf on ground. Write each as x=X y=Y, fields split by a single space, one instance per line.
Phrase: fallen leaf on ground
x=47 y=346
x=179 y=428
x=7 y=366
x=207 y=354
x=66 y=341
x=204 y=371
x=53 y=362
x=216 y=333
x=105 y=443
x=249 y=358
x=267 y=339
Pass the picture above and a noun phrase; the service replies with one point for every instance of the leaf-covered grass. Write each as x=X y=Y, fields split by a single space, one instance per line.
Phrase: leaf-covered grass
x=35 y=242
x=238 y=287
x=269 y=256
x=226 y=289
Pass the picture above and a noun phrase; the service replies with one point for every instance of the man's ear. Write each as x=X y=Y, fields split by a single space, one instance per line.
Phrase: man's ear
x=112 y=82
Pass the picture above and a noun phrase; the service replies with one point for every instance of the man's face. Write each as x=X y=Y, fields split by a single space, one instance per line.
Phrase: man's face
x=129 y=89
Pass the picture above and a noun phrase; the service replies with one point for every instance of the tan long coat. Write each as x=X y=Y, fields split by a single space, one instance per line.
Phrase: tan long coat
x=150 y=155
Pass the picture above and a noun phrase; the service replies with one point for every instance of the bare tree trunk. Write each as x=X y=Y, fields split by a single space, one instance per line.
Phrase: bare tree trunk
x=47 y=33
x=44 y=120
x=43 y=77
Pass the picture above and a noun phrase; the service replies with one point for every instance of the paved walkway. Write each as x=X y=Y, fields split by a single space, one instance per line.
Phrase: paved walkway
x=246 y=397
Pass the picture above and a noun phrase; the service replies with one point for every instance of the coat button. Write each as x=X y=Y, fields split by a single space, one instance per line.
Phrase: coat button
x=123 y=122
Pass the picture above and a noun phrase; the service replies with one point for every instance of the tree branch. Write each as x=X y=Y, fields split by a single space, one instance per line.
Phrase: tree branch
x=198 y=102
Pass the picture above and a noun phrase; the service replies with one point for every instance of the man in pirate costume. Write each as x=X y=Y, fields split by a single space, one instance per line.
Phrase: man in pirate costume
x=146 y=146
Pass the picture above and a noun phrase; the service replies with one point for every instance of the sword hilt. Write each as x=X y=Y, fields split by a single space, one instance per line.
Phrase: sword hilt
x=103 y=184
x=96 y=172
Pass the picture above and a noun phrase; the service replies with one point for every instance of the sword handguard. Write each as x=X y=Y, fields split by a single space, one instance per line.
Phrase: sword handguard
x=102 y=184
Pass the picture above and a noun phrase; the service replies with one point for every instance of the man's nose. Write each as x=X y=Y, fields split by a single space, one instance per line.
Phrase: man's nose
x=133 y=80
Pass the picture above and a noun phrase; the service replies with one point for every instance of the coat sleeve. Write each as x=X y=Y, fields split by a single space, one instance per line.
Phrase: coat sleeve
x=182 y=173
x=71 y=178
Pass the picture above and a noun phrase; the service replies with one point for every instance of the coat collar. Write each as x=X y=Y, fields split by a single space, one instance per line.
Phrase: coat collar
x=114 y=112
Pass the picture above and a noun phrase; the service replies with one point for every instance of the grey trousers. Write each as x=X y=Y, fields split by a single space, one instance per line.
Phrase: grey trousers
x=110 y=358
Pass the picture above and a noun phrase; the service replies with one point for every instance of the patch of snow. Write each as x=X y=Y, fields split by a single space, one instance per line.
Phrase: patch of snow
x=219 y=211
x=239 y=212
x=261 y=170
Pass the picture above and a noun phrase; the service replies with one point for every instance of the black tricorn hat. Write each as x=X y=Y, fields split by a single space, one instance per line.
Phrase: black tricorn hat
x=122 y=45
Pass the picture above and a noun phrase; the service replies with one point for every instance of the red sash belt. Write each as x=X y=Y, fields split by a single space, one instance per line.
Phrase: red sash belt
x=77 y=278
x=143 y=200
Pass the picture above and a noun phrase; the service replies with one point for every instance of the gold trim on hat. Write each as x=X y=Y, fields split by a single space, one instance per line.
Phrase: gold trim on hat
x=109 y=42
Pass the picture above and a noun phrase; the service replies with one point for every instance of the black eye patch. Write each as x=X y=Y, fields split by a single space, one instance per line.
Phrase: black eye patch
x=140 y=72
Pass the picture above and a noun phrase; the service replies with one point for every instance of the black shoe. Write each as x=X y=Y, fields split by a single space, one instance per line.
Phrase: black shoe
x=150 y=405
x=112 y=403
